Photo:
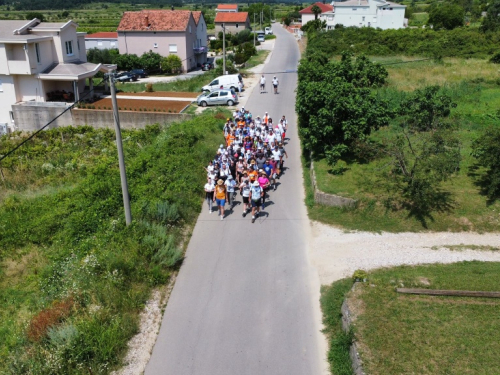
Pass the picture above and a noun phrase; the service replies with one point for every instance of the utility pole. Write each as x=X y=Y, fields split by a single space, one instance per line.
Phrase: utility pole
x=119 y=146
x=223 y=50
x=254 y=31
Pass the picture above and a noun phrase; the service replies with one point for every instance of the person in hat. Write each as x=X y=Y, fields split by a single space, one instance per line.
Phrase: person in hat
x=230 y=188
x=256 y=194
x=275 y=84
x=245 y=194
x=220 y=197
x=264 y=184
x=262 y=83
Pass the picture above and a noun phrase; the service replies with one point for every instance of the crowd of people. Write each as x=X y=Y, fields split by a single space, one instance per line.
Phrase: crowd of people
x=250 y=162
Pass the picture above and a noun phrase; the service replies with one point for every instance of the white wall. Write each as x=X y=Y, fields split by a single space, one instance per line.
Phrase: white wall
x=306 y=18
x=29 y=88
x=104 y=43
x=7 y=97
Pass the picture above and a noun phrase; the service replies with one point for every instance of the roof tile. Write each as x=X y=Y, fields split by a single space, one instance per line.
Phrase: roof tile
x=227 y=6
x=155 y=20
x=231 y=17
x=323 y=7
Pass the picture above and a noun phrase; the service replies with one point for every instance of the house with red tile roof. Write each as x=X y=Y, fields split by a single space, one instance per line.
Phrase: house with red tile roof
x=102 y=40
x=308 y=15
x=233 y=22
x=233 y=8
x=165 y=32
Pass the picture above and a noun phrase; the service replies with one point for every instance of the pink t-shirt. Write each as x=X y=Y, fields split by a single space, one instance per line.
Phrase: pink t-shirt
x=263 y=181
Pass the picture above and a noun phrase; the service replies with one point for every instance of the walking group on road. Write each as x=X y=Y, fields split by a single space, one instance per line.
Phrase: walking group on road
x=251 y=161
x=275 y=83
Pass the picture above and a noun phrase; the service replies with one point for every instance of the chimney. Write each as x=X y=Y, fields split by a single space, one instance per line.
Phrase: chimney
x=145 y=22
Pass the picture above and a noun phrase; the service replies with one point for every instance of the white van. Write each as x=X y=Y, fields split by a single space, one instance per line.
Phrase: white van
x=229 y=81
x=268 y=31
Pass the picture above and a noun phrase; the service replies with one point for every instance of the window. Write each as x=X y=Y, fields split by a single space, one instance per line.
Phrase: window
x=214 y=95
x=11 y=116
x=363 y=18
x=69 y=48
x=354 y=8
x=189 y=29
x=99 y=42
x=215 y=82
x=78 y=44
x=37 y=52
x=1 y=87
x=155 y=45
x=172 y=48
x=223 y=93
x=112 y=43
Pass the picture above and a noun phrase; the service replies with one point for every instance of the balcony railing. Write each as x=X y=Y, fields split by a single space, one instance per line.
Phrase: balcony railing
x=200 y=50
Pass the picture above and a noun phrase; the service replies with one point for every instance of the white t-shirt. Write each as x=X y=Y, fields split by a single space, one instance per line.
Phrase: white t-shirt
x=262 y=80
x=256 y=190
x=245 y=190
x=230 y=184
x=275 y=81
x=209 y=186
x=276 y=154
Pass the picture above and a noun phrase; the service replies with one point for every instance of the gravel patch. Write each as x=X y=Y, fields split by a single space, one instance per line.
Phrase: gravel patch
x=337 y=253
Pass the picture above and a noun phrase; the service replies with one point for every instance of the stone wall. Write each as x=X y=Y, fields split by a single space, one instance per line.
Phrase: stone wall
x=328 y=199
x=33 y=116
x=357 y=364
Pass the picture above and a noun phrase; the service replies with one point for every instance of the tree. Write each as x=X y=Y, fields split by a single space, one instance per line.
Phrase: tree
x=313 y=26
x=446 y=16
x=486 y=150
x=335 y=105
x=426 y=109
x=127 y=62
x=424 y=153
x=31 y=15
x=150 y=61
x=171 y=64
x=316 y=10
x=492 y=21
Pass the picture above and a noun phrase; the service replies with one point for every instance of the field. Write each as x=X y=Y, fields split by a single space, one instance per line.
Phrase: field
x=73 y=277
x=474 y=85
x=411 y=334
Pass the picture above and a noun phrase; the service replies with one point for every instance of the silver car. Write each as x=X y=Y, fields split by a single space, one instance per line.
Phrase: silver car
x=218 y=97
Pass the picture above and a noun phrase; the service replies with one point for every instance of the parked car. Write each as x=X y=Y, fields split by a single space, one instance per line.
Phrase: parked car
x=261 y=38
x=228 y=81
x=268 y=31
x=141 y=73
x=126 y=77
x=218 y=97
x=206 y=66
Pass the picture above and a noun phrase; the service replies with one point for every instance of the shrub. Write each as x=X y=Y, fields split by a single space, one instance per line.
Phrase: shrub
x=149 y=87
x=48 y=318
x=495 y=59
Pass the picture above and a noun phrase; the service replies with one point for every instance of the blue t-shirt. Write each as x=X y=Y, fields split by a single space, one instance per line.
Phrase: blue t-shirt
x=268 y=168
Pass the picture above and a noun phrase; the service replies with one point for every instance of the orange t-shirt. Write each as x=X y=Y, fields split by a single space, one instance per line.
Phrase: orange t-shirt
x=253 y=175
x=220 y=192
x=230 y=139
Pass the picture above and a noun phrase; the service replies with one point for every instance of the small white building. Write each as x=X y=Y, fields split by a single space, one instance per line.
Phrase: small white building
x=307 y=14
x=232 y=8
x=366 y=13
x=102 y=40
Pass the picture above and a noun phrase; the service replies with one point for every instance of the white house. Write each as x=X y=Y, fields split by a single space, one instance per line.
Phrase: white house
x=366 y=13
x=200 y=46
x=40 y=62
x=232 y=8
x=307 y=14
x=102 y=40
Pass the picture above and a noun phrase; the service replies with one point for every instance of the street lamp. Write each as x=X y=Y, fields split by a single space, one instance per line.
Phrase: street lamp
x=223 y=50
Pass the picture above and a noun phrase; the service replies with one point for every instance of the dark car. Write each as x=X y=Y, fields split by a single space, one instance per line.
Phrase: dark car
x=206 y=66
x=141 y=73
x=126 y=77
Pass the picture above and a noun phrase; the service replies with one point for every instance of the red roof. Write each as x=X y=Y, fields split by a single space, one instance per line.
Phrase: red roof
x=241 y=17
x=196 y=16
x=155 y=20
x=324 y=8
x=227 y=6
x=103 y=35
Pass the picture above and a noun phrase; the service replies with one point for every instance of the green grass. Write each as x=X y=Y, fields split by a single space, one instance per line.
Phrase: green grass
x=418 y=19
x=409 y=334
x=64 y=242
x=339 y=341
x=193 y=84
x=477 y=108
x=257 y=59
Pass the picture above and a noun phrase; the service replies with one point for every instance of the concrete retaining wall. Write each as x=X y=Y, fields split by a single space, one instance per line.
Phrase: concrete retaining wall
x=357 y=364
x=33 y=116
x=328 y=199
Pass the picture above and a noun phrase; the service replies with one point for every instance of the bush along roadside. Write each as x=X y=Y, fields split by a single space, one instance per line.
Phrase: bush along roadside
x=73 y=277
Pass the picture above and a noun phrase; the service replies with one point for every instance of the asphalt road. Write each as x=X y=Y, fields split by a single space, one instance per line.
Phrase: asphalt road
x=246 y=299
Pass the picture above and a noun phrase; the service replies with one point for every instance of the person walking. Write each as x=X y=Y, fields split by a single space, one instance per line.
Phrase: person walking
x=262 y=84
x=256 y=193
x=275 y=84
x=209 y=193
x=264 y=184
x=220 y=197
x=230 y=186
x=245 y=194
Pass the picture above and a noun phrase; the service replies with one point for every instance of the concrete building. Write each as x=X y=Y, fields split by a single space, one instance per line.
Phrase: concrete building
x=233 y=22
x=164 y=32
x=40 y=62
x=307 y=14
x=232 y=8
x=200 y=48
x=102 y=40
x=366 y=13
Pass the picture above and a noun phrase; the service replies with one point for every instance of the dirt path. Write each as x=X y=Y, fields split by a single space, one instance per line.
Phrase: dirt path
x=337 y=253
